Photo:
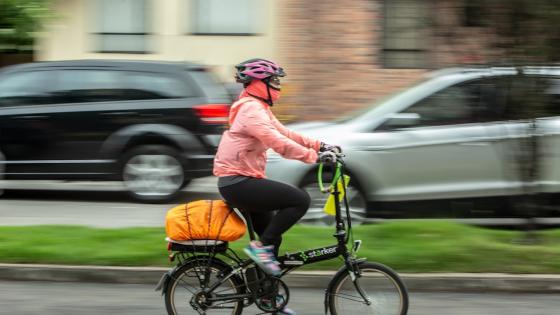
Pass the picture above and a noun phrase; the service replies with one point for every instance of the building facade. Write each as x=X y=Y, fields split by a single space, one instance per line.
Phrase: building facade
x=213 y=32
x=346 y=54
x=340 y=55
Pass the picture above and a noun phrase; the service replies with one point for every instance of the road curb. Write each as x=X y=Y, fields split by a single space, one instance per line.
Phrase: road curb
x=452 y=282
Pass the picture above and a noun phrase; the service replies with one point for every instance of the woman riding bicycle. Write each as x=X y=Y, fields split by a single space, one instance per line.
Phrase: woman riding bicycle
x=241 y=159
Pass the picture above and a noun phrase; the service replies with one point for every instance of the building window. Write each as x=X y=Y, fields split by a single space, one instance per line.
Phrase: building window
x=404 y=43
x=122 y=26
x=227 y=17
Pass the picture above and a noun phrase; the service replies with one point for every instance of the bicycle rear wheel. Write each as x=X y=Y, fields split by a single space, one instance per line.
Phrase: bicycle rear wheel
x=185 y=288
x=384 y=292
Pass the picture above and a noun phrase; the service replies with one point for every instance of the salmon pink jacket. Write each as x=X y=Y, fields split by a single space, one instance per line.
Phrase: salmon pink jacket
x=253 y=130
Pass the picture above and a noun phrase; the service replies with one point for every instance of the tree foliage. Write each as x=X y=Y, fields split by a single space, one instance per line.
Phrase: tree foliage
x=528 y=35
x=528 y=28
x=20 y=20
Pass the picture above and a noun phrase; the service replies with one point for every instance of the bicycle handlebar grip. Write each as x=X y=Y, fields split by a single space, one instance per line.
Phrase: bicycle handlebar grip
x=327 y=157
x=329 y=147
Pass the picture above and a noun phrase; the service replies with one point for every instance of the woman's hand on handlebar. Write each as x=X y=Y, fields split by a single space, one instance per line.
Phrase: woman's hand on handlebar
x=329 y=147
x=327 y=157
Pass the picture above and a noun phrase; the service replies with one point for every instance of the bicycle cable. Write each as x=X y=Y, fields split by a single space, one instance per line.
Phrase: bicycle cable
x=338 y=174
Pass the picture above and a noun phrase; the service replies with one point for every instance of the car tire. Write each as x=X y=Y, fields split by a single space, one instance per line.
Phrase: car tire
x=153 y=173
x=316 y=216
x=186 y=182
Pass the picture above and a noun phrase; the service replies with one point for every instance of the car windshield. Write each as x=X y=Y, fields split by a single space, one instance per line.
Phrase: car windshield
x=359 y=112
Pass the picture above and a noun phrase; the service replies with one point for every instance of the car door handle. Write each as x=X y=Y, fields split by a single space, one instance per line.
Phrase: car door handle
x=31 y=117
x=371 y=148
x=118 y=113
x=475 y=143
x=151 y=115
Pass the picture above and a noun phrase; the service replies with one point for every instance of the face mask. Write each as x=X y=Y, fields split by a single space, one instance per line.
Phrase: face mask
x=259 y=88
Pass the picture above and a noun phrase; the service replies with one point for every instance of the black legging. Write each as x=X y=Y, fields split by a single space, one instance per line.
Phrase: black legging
x=260 y=197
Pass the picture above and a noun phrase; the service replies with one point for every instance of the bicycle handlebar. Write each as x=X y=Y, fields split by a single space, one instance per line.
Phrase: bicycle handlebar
x=337 y=173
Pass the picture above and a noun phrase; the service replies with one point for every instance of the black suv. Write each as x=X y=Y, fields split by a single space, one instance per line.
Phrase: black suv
x=153 y=125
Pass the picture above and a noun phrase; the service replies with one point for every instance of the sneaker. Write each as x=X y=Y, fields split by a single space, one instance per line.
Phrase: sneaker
x=283 y=311
x=286 y=311
x=264 y=257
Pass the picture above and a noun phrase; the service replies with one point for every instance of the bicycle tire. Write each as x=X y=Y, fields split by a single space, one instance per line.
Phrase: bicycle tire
x=387 y=292
x=188 y=275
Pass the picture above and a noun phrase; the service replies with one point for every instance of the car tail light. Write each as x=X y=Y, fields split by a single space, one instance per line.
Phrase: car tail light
x=213 y=113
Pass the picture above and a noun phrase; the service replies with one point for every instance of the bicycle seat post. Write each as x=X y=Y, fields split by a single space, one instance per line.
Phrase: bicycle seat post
x=249 y=224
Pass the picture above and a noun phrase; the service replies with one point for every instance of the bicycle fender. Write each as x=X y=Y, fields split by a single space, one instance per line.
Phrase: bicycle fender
x=166 y=277
x=330 y=287
x=164 y=280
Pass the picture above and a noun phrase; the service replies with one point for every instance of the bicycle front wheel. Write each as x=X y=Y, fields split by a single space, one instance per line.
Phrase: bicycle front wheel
x=185 y=291
x=378 y=291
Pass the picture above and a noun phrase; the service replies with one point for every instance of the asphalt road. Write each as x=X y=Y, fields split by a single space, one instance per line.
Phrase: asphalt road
x=97 y=204
x=23 y=298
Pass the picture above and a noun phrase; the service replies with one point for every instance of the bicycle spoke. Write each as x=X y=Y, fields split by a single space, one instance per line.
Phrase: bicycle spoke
x=195 y=279
x=350 y=297
x=183 y=282
x=378 y=291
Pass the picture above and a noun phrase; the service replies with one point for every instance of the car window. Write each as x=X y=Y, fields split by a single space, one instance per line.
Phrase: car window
x=552 y=91
x=78 y=86
x=531 y=96
x=209 y=85
x=453 y=105
x=505 y=98
x=25 y=88
x=144 y=85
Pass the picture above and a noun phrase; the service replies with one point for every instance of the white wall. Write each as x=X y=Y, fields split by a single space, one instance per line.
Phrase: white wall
x=69 y=36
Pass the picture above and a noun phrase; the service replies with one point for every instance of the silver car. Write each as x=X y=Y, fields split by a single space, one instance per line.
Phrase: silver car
x=446 y=138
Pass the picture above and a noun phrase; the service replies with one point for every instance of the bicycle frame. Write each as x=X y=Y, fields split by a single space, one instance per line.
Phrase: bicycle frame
x=291 y=261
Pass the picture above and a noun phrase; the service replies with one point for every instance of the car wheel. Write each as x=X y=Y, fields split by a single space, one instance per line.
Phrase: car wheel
x=186 y=182
x=316 y=216
x=153 y=173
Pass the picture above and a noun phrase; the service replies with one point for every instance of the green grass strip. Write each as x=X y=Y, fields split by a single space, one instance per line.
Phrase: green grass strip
x=427 y=246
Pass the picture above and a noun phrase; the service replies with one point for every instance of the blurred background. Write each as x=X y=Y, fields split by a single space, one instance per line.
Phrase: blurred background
x=450 y=103
x=339 y=57
x=111 y=112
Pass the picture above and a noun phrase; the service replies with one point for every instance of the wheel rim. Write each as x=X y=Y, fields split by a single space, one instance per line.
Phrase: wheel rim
x=382 y=291
x=153 y=175
x=316 y=215
x=188 y=285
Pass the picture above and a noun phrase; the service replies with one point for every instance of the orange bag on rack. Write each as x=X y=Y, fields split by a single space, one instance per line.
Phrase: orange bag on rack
x=204 y=220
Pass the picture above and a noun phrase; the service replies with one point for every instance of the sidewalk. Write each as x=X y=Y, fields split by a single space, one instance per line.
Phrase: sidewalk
x=451 y=282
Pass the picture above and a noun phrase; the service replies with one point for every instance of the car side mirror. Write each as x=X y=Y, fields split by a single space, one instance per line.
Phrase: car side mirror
x=402 y=120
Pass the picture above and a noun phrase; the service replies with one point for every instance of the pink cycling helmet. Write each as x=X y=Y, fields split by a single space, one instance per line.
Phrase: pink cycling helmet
x=257 y=68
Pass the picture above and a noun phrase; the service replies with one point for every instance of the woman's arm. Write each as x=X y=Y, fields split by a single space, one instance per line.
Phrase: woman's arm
x=255 y=121
x=301 y=139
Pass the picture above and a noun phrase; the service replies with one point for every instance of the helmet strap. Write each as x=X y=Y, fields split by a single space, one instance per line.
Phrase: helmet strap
x=268 y=101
